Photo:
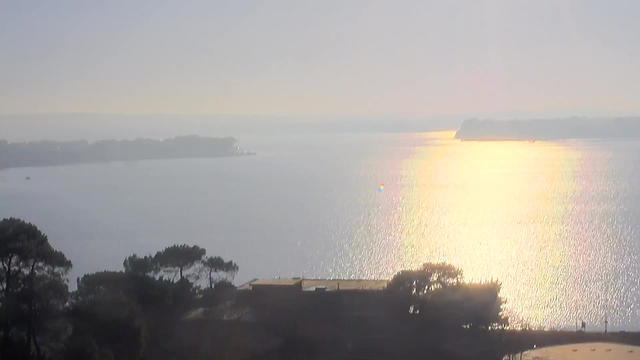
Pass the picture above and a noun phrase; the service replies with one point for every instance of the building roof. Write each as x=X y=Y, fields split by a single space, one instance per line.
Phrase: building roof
x=326 y=284
x=344 y=284
x=270 y=282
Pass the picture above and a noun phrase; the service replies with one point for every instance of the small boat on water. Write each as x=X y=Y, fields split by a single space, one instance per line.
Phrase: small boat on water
x=27 y=178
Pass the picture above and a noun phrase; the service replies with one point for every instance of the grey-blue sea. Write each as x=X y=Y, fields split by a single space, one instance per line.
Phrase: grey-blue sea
x=556 y=222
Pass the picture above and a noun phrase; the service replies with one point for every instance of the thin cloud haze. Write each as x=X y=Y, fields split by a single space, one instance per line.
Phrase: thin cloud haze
x=322 y=58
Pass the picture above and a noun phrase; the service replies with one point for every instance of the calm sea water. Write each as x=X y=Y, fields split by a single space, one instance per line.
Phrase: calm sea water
x=558 y=223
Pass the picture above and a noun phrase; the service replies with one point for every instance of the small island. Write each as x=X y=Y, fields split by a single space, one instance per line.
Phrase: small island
x=52 y=153
x=550 y=129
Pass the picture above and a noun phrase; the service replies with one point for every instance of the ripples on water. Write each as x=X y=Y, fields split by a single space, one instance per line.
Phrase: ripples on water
x=556 y=222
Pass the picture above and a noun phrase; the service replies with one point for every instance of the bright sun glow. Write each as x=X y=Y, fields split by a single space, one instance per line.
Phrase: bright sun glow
x=483 y=226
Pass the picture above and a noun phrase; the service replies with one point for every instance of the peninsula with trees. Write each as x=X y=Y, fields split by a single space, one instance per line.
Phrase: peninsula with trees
x=52 y=153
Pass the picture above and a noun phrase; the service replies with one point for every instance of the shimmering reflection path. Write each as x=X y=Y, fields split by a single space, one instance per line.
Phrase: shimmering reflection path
x=527 y=215
x=558 y=223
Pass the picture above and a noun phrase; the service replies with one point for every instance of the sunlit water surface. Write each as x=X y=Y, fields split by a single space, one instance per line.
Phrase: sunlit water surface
x=556 y=222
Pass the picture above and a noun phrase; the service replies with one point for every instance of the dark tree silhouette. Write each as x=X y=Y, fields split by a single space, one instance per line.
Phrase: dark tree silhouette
x=46 y=313
x=437 y=293
x=214 y=265
x=141 y=314
x=128 y=315
x=103 y=313
x=180 y=258
x=47 y=153
x=429 y=277
x=30 y=268
x=99 y=284
x=140 y=265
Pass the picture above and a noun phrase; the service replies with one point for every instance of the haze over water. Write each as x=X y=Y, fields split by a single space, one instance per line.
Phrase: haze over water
x=556 y=222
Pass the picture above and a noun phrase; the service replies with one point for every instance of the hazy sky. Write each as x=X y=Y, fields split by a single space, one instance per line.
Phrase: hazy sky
x=321 y=57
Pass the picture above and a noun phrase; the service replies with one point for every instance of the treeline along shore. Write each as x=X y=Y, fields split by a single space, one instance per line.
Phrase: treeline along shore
x=51 y=153
x=180 y=303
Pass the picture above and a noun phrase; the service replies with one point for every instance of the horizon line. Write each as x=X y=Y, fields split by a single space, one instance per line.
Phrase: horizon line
x=515 y=114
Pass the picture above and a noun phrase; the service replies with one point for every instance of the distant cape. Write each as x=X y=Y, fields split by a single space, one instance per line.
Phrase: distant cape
x=51 y=153
x=548 y=129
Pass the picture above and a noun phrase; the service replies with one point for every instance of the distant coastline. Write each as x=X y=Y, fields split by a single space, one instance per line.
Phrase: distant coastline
x=54 y=153
x=550 y=129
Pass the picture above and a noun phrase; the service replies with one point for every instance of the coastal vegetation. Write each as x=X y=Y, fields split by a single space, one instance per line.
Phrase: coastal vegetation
x=129 y=314
x=180 y=303
x=51 y=153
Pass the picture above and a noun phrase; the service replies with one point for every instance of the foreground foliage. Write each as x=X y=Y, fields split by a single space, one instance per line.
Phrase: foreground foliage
x=130 y=314
x=180 y=303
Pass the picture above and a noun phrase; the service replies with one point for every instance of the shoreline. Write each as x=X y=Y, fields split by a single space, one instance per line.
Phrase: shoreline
x=129 y=160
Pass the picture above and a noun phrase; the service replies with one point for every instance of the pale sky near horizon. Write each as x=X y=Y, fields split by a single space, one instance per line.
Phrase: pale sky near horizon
x=319 y=58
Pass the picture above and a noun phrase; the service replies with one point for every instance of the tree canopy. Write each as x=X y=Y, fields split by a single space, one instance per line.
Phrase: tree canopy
x=33 y=279
x=425 y=279
x=141 y=312
x=215 y=265
x=48 y=153
x=437 y=293
x=140 y=265
x=129 y=314
x=179 y=258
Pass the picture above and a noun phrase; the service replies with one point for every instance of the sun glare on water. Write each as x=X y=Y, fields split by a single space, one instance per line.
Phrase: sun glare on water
x=471 y=204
